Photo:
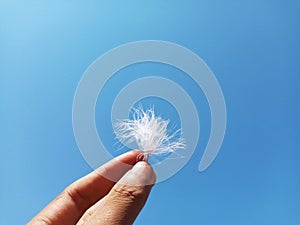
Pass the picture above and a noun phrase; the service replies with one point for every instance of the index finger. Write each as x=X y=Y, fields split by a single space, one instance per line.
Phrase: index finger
x=70 y=205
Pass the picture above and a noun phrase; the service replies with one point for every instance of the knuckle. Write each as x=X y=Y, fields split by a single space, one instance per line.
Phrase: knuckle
x=43 y=220
x=130 y=193
x=76 y=197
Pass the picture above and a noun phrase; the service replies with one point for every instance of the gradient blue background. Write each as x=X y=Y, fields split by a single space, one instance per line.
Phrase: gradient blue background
x=253 y=47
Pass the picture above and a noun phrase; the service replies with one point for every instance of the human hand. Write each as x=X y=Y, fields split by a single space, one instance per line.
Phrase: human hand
x=94 y=199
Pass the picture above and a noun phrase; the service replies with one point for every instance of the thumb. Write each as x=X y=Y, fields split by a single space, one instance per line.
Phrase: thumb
x=126 y=199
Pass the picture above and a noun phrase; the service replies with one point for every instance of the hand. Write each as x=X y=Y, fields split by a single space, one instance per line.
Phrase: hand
x=94 y=199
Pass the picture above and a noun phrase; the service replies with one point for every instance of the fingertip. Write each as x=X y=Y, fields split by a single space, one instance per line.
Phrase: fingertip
x=136 y=151
x=145 y=173
x=129 y=157
x=141 y=174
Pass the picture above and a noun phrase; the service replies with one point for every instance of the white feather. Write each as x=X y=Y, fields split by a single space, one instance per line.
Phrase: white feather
x=149 y=132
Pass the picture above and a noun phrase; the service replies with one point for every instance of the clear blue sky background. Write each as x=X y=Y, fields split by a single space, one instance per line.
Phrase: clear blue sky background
x=253 y=47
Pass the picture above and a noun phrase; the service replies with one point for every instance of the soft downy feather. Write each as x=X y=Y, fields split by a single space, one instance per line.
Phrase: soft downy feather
x=149 y=132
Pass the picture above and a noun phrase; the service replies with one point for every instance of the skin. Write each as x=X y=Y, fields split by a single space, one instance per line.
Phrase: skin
x=94 y=199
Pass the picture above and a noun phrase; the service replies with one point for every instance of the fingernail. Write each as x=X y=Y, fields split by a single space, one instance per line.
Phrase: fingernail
x=141 y=174
x=141 y=167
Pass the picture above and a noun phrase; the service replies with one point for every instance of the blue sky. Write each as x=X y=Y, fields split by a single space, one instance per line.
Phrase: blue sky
x=253 y=49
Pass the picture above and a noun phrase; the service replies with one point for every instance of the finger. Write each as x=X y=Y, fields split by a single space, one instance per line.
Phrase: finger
x=70 y=205
x=126 y=199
